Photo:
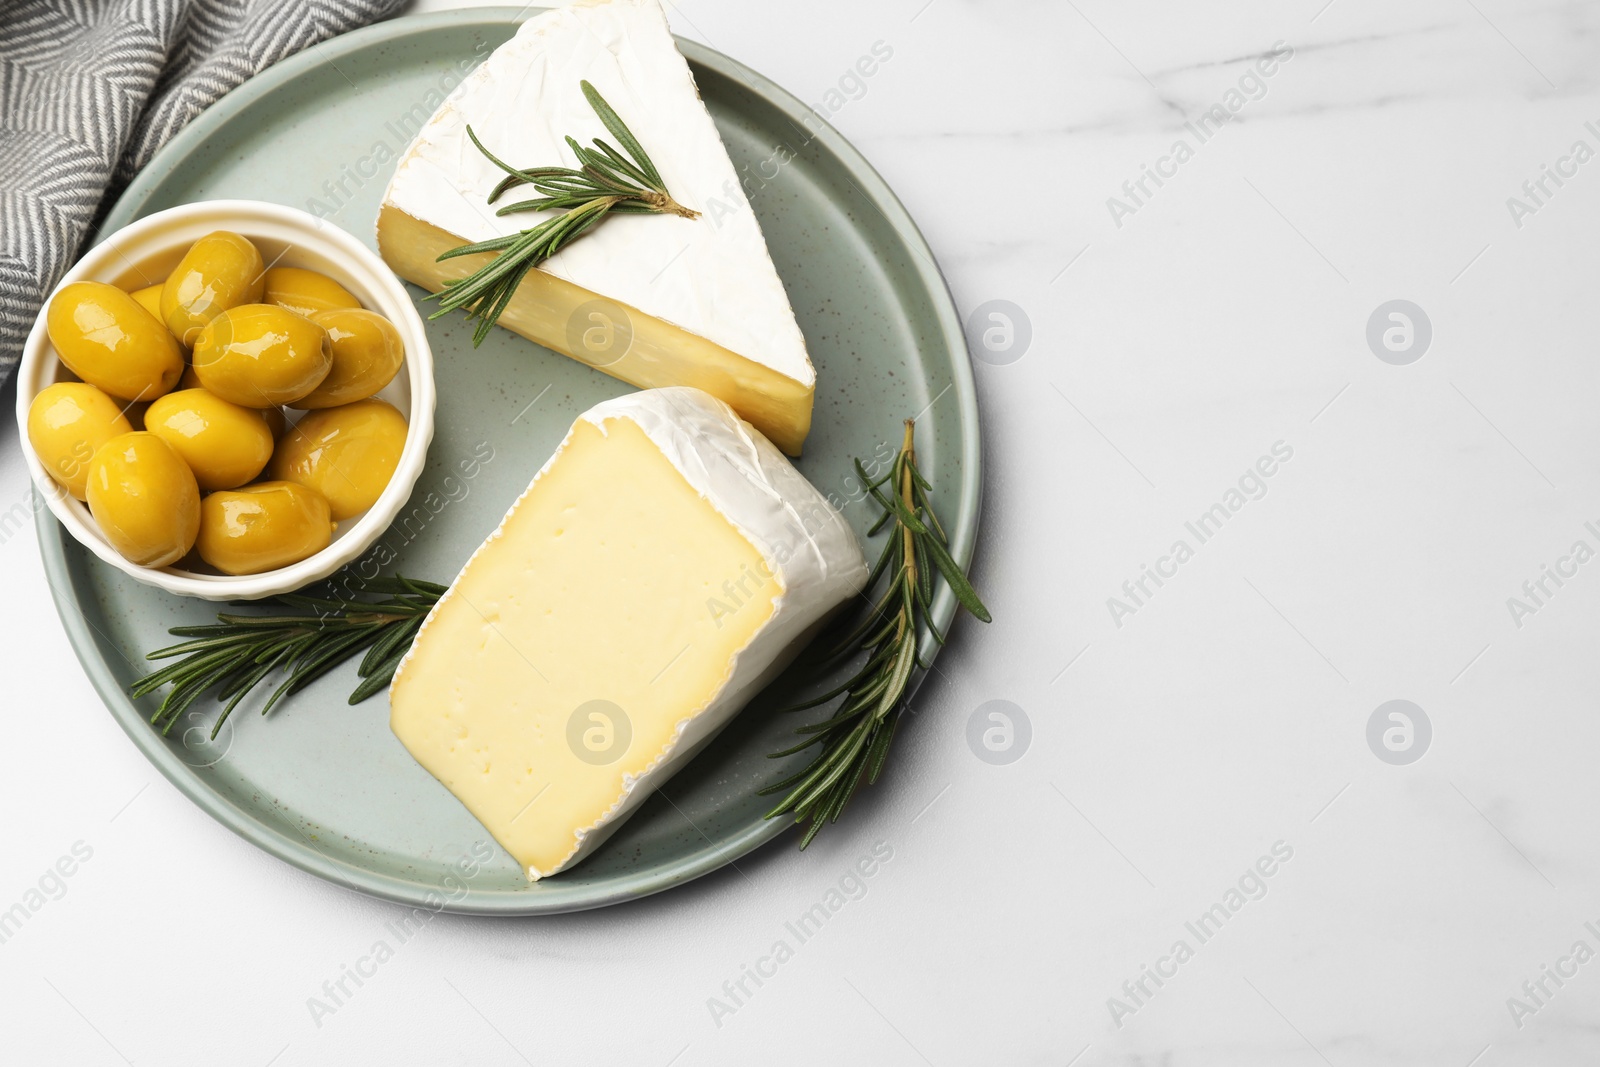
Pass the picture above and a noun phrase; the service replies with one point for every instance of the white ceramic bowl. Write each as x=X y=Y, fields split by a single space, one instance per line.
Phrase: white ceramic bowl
x=144 y=253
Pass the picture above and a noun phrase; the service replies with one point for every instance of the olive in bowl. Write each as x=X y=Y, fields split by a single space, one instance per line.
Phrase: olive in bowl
x=147 y=253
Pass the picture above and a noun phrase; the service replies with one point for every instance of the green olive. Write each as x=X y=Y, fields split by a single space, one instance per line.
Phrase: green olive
x=259 y=355
x=277 y=422
x=149 y=298
x=305 y=292
x=348 y=454
x=367 y=352
x=224 y=444
x=274 y=417
x=145 y=499
x=220 y=271
x=262 y=527
x=104 y=337
x=66 y=423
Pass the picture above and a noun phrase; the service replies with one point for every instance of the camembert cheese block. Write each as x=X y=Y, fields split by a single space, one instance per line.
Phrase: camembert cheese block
x=654 y=300
x=662 y=567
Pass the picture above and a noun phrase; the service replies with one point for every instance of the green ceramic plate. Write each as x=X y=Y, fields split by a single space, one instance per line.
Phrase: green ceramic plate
x=325 y=786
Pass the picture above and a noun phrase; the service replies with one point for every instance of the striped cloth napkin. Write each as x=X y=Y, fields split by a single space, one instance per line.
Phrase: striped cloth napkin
x=90 y=89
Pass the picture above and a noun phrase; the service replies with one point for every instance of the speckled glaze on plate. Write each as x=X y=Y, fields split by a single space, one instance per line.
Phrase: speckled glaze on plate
x=324 y=785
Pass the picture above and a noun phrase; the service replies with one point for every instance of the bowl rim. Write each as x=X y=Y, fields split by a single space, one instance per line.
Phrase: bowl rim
x=36 y=371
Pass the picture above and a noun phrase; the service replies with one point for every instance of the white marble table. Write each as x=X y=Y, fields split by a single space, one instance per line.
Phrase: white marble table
x=1187 y=735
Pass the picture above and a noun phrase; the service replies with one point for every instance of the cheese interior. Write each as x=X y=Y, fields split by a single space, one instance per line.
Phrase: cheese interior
x=623 y=342
x=590 y=616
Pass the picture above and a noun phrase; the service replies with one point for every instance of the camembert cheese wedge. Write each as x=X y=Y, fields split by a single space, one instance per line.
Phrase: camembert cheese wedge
x=662 y=567
x=654 y=300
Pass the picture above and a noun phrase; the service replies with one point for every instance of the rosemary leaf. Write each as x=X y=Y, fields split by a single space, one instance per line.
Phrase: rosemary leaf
x=385 y=645
x=232 y=657
x=620 y=131
x=609 y=182
x=854 y=741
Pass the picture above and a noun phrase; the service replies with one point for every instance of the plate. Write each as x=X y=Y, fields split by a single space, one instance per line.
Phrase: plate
x=325 y=786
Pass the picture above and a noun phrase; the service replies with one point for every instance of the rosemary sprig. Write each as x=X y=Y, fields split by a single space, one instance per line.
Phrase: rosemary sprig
x=855 y=738
x=608 y=181
x=238 y=651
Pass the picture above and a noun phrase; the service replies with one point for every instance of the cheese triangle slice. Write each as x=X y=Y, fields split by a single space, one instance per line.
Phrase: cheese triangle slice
x=653 y=300
x=662 y=567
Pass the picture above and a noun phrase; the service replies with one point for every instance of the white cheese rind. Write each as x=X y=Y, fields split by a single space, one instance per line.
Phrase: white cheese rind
x=806 y=543
x=712 y=276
